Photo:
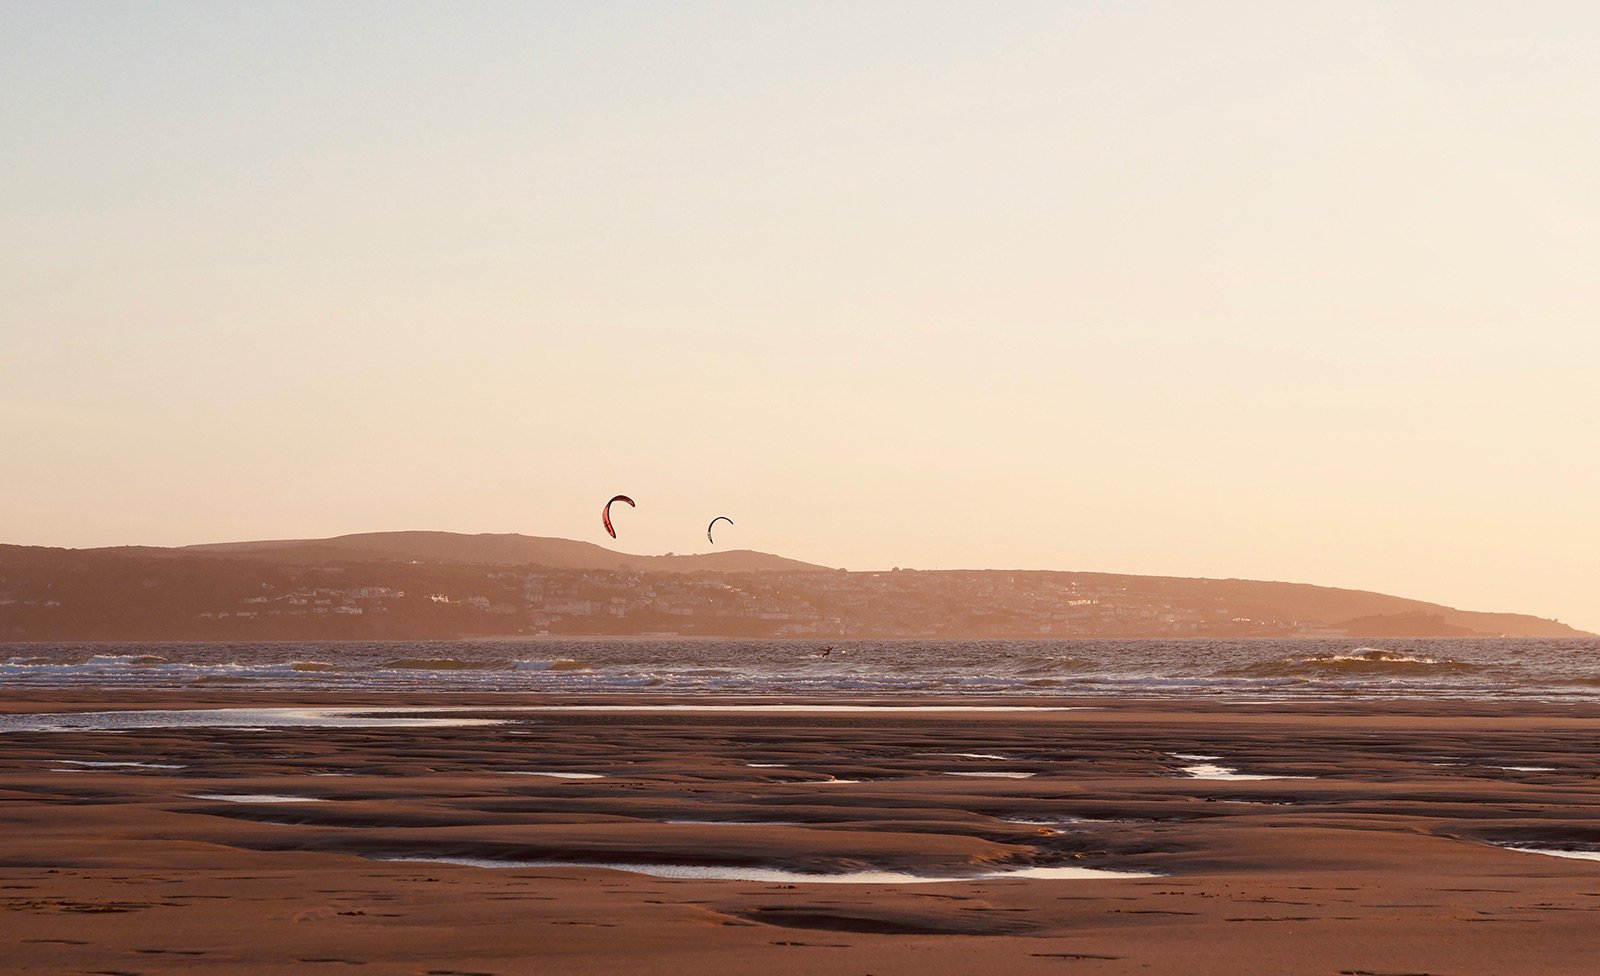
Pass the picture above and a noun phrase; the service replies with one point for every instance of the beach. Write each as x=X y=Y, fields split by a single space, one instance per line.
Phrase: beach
x=514 y=833
x=830 y=489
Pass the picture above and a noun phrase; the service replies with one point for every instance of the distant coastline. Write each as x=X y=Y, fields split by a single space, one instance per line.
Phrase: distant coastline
x=445 y=586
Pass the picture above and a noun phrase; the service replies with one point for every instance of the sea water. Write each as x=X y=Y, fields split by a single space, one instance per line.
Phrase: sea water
x=1259 y=669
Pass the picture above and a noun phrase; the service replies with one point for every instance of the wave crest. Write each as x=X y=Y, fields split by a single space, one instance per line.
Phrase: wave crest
x=1361 y=660
x=442 y=664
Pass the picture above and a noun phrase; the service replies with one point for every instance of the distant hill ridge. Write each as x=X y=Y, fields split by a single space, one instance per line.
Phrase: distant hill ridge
x=494 y=548
x=210 y=591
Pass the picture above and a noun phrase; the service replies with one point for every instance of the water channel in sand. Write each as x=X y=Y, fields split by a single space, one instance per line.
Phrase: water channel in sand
x=403 y=717
x=705 y=872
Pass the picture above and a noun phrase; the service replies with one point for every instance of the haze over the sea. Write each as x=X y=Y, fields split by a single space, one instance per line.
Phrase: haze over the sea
x=1274 y=291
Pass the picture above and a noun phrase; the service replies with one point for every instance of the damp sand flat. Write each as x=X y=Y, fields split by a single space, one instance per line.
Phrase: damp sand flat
x=256 y=797
x=230 y=718
x=707 y=872
x=1381 y=863
x=815 y=708
x=400 y=717
x=127 y=764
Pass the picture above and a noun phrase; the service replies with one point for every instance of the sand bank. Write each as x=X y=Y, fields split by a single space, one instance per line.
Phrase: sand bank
x=688 y=840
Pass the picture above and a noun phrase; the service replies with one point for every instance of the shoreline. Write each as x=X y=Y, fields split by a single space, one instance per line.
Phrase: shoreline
x=16 y=700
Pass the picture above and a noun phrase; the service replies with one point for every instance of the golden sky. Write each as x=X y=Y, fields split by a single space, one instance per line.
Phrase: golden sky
x=1283 y=291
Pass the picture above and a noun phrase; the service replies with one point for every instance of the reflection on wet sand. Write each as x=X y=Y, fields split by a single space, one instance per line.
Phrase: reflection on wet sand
x=756 y=829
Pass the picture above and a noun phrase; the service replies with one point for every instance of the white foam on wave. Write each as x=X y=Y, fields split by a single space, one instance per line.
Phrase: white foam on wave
x=990 y=774
x=1374 y=655
x=706 y=872
x=530 y=772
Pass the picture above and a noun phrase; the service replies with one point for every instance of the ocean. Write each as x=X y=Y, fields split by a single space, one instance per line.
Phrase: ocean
x=1245 y=670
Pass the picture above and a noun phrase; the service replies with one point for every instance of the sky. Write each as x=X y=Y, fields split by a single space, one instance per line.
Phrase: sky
x=1277 y=291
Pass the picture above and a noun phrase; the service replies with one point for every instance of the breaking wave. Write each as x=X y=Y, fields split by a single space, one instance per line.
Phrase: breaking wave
x=1374 y=661
x=563 y=664
x=442 y=664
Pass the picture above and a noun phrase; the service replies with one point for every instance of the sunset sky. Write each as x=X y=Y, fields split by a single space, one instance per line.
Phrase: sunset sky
x=1297 y=291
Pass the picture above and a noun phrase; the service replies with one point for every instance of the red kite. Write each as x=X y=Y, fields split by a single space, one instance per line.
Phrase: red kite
x=605 y=513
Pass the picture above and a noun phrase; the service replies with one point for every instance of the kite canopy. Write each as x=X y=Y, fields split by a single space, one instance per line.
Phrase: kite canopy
x=719 y=518
x=605 y=513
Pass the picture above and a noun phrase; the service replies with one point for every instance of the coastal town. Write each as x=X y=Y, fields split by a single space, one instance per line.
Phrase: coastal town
x=893 y=604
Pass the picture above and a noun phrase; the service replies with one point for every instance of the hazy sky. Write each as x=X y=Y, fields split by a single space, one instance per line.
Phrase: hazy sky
x=1301 y=291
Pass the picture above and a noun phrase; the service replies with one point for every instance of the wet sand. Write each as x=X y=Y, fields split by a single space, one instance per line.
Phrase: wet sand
x=267 y=848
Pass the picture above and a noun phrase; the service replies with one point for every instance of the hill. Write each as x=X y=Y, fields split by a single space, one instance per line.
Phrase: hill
x=495 y=549
x=427 y=585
